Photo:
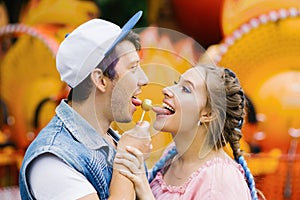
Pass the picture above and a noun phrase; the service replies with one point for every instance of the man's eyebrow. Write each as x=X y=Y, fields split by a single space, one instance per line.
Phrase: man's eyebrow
x=133 y=62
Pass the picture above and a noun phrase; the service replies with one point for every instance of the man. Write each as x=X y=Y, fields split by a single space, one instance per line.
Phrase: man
x=72 y=156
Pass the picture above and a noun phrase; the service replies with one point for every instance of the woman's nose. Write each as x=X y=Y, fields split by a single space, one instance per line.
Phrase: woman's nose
x=167 y=92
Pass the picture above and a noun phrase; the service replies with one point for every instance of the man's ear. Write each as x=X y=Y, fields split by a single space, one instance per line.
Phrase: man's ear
x=98 y=79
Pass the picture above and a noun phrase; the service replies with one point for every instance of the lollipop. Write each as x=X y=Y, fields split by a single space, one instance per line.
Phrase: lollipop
x=146 y=106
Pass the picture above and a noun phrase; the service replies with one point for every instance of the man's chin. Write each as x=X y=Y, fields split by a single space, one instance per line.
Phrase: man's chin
x=124 y=119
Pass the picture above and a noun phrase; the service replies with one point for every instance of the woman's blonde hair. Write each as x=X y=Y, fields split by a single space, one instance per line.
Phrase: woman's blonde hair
x=226 y=101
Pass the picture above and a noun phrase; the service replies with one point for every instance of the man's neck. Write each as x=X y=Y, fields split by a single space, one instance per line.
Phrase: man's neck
x=88 y=111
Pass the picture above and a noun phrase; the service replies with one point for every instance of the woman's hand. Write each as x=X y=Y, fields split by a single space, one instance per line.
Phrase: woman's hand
x=131 y=165
x=138 y=137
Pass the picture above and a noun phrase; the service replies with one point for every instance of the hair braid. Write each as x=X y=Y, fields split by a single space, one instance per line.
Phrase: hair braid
x=161 y=163
x=234 y=120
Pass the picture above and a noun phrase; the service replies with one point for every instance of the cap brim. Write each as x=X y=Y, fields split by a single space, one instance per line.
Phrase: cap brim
x=125 y=30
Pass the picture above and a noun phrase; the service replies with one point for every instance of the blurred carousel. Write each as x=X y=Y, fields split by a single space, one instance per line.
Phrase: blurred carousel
x=262 y=44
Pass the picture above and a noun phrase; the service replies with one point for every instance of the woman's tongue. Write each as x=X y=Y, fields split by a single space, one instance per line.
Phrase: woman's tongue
x=136 y=101
x=161 y=111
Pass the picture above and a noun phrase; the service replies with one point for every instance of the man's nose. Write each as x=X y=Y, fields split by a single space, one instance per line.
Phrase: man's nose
x=143 y=79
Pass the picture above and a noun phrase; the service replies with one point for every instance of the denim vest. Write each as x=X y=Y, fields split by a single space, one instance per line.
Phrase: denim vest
x=72 y=139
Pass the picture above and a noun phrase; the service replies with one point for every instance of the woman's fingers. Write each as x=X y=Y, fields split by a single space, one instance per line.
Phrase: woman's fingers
x=138 y=154
x=128 y=156
x=129 y=165
x=129 y=175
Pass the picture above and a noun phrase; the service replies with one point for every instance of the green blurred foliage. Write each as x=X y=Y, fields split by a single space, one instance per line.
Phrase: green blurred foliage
x=120 y=11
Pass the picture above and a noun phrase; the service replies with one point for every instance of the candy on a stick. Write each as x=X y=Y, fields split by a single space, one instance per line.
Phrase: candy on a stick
x=146 y=106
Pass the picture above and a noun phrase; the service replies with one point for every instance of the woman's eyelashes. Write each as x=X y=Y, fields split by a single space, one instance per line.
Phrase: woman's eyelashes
x=183 y=87
x=186 y=89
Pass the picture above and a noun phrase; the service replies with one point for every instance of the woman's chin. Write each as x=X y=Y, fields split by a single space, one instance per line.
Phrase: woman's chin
x=157 y=125
x=160 y=125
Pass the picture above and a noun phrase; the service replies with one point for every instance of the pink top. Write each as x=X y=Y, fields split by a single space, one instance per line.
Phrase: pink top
x=220 y=178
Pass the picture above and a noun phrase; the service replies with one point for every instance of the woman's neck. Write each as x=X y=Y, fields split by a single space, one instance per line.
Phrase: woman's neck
x=191 y=145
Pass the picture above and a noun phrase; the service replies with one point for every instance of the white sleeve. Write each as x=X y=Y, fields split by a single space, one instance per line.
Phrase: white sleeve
x=51 y=178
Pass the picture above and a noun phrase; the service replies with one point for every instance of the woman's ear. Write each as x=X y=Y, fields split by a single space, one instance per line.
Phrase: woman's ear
x=205 y=119
x=99 y=80
x=205 y=116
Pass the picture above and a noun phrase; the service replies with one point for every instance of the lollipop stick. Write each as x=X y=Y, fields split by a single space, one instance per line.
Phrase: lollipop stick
x=146 y=106
x=143 y=114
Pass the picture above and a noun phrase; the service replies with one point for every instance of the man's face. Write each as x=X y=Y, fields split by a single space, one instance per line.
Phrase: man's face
x=127 y=85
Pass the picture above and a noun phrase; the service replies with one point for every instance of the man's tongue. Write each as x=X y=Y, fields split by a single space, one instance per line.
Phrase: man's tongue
x=136 y=102
x=161 y=111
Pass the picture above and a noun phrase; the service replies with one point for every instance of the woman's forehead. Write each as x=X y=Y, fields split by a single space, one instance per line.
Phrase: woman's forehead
x=195 y=75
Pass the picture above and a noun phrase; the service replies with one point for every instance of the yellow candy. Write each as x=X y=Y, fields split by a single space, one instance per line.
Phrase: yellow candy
x=147 y=105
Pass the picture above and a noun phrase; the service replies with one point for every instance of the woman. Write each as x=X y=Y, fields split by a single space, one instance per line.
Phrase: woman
x=203 y=112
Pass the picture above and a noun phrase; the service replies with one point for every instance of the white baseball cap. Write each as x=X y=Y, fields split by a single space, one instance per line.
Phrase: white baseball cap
x=85 y=47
